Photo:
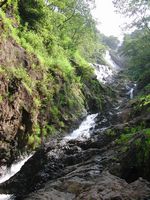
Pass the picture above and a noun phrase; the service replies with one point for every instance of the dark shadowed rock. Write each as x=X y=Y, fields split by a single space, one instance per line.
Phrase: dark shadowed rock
x=94 y=186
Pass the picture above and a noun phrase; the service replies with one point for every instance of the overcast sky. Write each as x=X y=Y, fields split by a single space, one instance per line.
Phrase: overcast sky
x=109 y=21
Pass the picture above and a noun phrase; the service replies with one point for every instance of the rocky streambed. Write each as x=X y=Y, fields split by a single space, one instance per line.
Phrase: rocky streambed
x=91 y=163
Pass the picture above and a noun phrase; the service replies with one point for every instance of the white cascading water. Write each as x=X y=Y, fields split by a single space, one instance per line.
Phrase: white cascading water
x=104 y=74
x=5 y=197
x=131 y=91
x=83 y=132
x=109 y=60
x=13 y=170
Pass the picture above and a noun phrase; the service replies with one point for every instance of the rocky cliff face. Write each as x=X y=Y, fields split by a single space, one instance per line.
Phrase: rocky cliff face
x=16 y=105
x=107 y=166
x=37 y=100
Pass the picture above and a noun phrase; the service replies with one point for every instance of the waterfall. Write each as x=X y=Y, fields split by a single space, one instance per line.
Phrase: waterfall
x=131 y=93
x=11 y=172
x=109 y=60
x=105 y=73
x=6 y=197
x=83 y=132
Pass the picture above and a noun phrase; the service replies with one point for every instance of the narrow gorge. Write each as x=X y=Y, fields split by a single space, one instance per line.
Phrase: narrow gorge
x=74 y=103
x=92 y=161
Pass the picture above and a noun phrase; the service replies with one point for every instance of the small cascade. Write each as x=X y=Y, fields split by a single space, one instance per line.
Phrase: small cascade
x=9 y=173
x=110 y=62
x=83 y=132
x=92 y=123
x=6 y=197
x=131 y=91
x=105 y=73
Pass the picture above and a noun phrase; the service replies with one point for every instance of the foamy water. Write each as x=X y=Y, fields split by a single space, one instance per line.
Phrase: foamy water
x=83 y=132
x=11 y=172
x=105 y=73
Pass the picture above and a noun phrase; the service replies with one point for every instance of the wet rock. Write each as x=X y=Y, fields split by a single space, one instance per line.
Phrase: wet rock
x=76 y=170
x=16 y=104
x=136 y=161
x=88 y=169
x=53 y=161
x=99 y=187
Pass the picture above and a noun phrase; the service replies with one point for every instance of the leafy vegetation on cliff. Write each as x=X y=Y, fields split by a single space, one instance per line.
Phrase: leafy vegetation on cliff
x=136 y=51
x=47 y=81
x=136 y=46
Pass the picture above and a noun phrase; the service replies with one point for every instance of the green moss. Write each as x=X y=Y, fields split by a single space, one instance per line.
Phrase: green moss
x=145 y=100
x=34 y=141
x=110 y=133
x=142 y=104
x=49 y=130
x=2 y=70
x=124 y=149
x=124 y=138
x=147 y=131
x=129 y=133
x=31 y=140
x=21 y=74
x=143 y=148
x=37 y=102
x=1 y=99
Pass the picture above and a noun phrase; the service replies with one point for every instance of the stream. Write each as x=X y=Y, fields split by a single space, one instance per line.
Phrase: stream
x=11 y=172
x=87 y=127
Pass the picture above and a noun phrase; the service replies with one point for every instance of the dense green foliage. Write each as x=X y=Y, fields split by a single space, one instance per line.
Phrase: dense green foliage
x=136 y=46
x=137 y=12
x=136 y=51
x=62 y=35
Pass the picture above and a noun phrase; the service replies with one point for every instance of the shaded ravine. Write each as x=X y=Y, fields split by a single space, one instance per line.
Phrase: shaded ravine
x=80 y=166
x=104 y=74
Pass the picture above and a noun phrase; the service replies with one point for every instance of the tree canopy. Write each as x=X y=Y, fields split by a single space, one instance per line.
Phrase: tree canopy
x=136 y=45
x=136 y=11
x=62 y=37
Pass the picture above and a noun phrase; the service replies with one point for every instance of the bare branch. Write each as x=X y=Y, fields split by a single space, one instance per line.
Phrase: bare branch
x=66 y=20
